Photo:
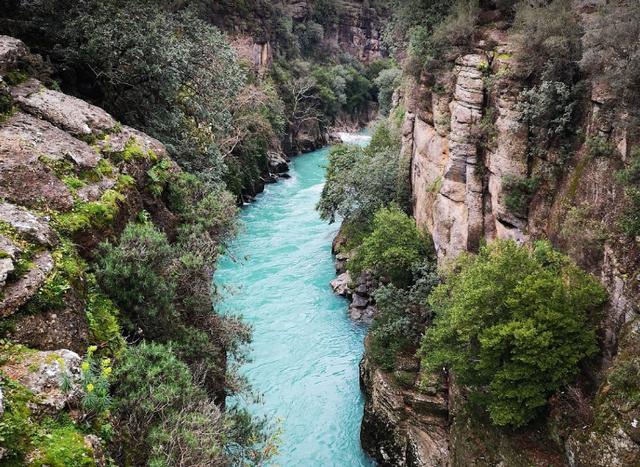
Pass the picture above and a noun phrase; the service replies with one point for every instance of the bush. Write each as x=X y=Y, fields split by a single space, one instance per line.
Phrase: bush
x=519 y=191
x=361 y=181
x=513 y=323
x=549 y=39
x=402 y=316
x=612 y=54
x=392 y=248
x=630 y=179
x=549 y=110
x=137 y=272
x=164 y=418
x=387 y=82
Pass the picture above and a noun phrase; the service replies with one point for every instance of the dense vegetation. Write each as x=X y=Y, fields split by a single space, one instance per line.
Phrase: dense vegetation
x=513 y=323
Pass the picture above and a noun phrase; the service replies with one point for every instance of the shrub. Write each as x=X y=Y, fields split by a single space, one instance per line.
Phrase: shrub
x=402 y=316
x=387 y=82
x=612 y=53
x=96 y=373
x=519 y=191
x=630 y=179
x=549 y=41
x=360 y=181
x=513 y=323
x=600 y=147
x=137 y=272
x=392 y=248
x=104 y=327
x=549 y=110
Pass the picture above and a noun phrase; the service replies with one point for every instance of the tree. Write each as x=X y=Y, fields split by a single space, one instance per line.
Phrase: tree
x=394 y=246
x=513 y=323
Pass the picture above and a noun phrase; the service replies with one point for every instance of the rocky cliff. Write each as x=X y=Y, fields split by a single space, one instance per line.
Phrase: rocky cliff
x=70 y=177
x=467 y=138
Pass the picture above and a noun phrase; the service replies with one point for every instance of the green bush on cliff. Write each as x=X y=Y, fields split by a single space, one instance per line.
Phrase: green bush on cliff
x=513 y=323
x=402 y=316
x=137 y=273
x=392 y=248
x=630 y=179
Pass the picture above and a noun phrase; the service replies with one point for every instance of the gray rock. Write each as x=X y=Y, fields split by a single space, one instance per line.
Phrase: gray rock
x=52 y=376
x=277 y=162
x=19 y=292
x=37 y=137
x=359 y=301
x=27 y=224
x=117 y=142
x=68 y=113
x=340 y=284
x=6 y=268
x=11 y=50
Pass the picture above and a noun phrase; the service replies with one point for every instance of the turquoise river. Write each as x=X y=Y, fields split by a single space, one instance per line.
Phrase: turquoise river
x=305 y=350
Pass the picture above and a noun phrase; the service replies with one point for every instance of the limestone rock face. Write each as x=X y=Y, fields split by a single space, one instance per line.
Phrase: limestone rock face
x=340 y=284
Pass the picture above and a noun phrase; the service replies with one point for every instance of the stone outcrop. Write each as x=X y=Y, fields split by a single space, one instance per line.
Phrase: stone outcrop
x=464 y=141
x=403 y=426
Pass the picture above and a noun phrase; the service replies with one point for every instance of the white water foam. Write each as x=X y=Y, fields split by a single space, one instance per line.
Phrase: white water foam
x=354 y=138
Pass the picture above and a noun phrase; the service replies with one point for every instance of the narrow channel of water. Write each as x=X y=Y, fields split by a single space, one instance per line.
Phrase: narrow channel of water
x=305 y=349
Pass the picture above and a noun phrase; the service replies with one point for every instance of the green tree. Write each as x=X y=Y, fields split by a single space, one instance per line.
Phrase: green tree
x=392 y=248
x=513 y=323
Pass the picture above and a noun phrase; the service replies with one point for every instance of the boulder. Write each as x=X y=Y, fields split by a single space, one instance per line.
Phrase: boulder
x=11 y=51
x=38 y=138
x=52 y=376
x=19 y=292
x=359 y=301
x=340 y=284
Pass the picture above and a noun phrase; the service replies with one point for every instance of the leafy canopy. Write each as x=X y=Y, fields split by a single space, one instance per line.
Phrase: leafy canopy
x=513 y=323
x=393 y=247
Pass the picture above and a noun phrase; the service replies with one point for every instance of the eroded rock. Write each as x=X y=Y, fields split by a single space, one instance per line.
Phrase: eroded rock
x=11 y=51
x=19 y=292
x=27 y=224
x=340 y=284
x=66 y=112
x=52 y=376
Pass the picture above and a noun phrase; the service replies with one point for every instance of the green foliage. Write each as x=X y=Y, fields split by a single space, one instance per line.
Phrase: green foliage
x=326 y=12
x=62 y=445
x=612 y=55
x=630 y=179
x=392 y=248
x=90 y=215
x=360 y=181
x=549 y=41
x=17 y=426
x=402 y=316
x=159 y=174
x=513 y=323
x=165 y=417
x=549 y=110
x=104 y=327
x=67 y=275
x=519 y=192
x=387 y=82
x=600 y=147
x=138 y=275
x=96 y=373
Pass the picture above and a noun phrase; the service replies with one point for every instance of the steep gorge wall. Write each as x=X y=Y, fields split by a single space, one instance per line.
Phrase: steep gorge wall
x=459 y=195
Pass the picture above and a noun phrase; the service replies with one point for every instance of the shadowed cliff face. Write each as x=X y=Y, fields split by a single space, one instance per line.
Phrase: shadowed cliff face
x=460 y=183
